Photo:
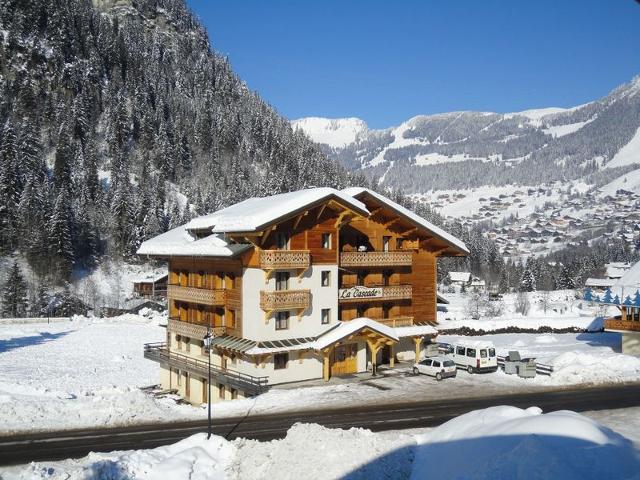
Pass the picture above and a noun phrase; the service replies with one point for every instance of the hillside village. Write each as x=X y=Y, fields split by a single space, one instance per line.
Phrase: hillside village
x=538 y=220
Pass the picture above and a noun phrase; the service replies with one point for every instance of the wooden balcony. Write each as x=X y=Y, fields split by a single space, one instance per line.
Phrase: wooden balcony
x=274 y=300
x=193 y=330
x=396 y=321
x=621 y=325
x=203 y=296
x=375 y=259
x=284 y=259
x=355 y=293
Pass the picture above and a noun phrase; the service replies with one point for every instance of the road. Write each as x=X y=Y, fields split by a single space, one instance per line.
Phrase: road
x=76 y=443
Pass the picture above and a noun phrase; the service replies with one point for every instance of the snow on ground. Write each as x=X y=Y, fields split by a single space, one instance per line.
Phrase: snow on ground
x=557 y=309
x=335 y=132
x=82 y=373
x=88 y=372
x=627 y=155
x=498 y=442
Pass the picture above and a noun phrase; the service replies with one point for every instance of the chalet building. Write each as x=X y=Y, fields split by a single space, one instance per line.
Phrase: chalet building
x=151 y=286
x=296 y=286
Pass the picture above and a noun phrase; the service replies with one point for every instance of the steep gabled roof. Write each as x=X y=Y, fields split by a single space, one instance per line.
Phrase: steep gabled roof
x=255 y=214
x=359 y=192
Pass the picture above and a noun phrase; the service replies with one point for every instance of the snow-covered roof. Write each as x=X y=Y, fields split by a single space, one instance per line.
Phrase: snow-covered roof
x=616 y=269
x=415 y=330
x=436 y=231
x=600 y=282
x=181 y=243
x=256 y=213
x=344 y=329
x=631 y=278
x=459 y=276
x=150 y=277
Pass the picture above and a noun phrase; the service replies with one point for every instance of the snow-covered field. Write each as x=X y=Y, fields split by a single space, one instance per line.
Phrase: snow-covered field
x=88 y=372
x=498 y=442
x=558 y=309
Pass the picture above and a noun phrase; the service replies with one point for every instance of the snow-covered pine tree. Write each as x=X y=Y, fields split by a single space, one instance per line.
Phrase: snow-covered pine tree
x=565 y=282
x=14 y=293
x=60 y=237
x=528 y=281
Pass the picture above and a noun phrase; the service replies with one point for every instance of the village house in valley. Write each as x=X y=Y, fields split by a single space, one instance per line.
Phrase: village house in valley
x=296 y=286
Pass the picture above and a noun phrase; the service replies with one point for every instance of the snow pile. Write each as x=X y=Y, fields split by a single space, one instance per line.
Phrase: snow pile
x=508 y=442
x=495 y=443
x=594 y=367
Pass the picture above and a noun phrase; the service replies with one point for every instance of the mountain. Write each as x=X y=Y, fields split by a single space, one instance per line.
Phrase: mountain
x=595 y=142
x=119 y=121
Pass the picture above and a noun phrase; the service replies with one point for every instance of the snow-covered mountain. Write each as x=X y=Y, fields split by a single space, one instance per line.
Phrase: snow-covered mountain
x=472 y=149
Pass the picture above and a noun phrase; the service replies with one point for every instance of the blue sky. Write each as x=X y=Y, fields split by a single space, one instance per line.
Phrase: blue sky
x=385 y=61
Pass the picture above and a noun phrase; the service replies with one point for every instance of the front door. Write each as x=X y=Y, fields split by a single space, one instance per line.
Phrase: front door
x=345 y=359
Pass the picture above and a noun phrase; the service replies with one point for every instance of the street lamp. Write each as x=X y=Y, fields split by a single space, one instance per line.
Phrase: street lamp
x=207 y=343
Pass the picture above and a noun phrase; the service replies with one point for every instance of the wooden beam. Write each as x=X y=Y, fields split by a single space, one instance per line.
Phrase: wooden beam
x=417 y=341
x=392 y=355
x=326 y=370
x=407 y=232
x=374 y=211
x=391 y=222
x=298 y=218
x=267 y=233
x=321 y=211
x=340 y=217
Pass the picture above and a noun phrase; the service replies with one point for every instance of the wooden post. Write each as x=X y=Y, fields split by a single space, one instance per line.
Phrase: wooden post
x=417 y=341
x=392 y=355
x=624 y=314
x=326 y=372
x=373 y=348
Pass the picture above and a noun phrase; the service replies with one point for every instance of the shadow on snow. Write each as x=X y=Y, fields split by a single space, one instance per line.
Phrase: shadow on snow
x=37 y=339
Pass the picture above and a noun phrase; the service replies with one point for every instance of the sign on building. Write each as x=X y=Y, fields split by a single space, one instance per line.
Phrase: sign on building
x=359 y=292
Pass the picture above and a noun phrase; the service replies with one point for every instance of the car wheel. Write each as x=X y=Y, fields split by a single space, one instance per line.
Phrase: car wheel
x=438 y=376
x=415 y=371
x=470 y=369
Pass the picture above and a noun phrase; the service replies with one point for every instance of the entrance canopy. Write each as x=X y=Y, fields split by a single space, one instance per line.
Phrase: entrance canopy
x=364 y=327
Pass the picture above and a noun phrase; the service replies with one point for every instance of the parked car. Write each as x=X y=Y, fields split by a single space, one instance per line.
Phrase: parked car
x=475 y=357
x=439 y=367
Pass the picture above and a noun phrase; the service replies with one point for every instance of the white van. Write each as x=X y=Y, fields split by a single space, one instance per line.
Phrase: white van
x=475 y=356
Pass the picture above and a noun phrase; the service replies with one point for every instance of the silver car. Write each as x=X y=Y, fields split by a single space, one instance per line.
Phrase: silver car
x=439 y=367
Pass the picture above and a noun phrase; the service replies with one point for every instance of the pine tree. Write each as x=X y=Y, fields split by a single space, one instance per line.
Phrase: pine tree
x=60 y=234
x=565 y=282
x=528 y=281
x=10 y=187
x=14 y=294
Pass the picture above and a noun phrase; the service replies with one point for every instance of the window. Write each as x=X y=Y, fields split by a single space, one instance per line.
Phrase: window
x=460 y=351
x=492 y=352
x=282 y=280
x=326 y=278
x=386 y=278
x=436 y=364
x=231 y=280
x=178 y=342
x=386 y=310
x=326 y=240
x=362 y=276
x=362 y=310
x=280 y=361
x=179 y=375
x=282 y=241
x=483 y=353
x=426 y=362
x=449 y=363
x=282 y=320
x=187 y=342
x=325 y=316
x=386 y=241
x=471 y=352
x=230 y=318
x=399 y=243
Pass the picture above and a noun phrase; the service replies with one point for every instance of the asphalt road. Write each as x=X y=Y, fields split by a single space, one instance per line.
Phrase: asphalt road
x=76 y=443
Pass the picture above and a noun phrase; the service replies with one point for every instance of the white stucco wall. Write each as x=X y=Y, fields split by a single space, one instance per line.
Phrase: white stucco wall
x=309 y=325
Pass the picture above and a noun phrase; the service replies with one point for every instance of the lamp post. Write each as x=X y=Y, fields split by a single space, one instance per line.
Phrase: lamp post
x=207 y=342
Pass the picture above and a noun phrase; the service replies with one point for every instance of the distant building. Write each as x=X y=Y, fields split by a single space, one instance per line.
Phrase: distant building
x=459 y=278
x=151 y=286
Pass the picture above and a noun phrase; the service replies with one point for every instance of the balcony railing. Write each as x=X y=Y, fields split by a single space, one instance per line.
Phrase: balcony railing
x=629 y=326
x=158 y=352
x=285 y=300
x=284 y=259
x=193 y=330
x=396 y=321
x=375 y=259
x=204 y=296
x=388 y=292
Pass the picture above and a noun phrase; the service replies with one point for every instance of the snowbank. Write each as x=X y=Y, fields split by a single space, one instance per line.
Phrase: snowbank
x=508 y=442
x=496 y=443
